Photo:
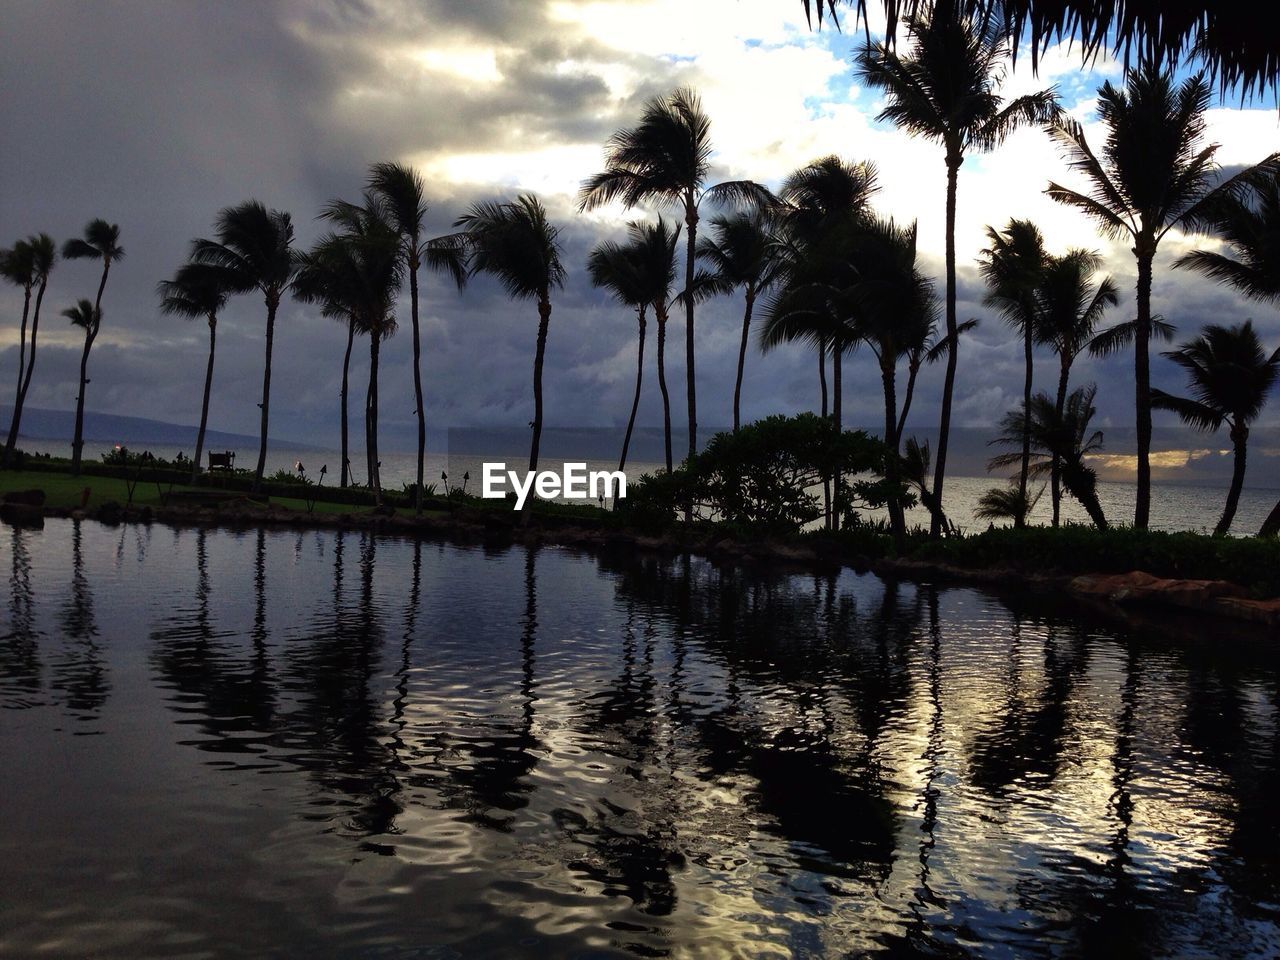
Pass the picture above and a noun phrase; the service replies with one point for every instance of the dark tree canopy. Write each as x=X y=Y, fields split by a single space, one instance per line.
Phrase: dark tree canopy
x=1230 y=37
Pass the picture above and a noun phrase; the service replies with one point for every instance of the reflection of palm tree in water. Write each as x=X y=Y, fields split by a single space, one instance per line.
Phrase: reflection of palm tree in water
x=19 y=650
x=80 y=673
x=925 y=896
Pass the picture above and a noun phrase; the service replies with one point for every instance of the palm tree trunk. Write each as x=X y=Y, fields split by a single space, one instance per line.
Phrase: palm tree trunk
x=24 y=376
x=635 y=404
x=273 y=301
x=77 y=442
x=371 y=415
x=826 y=480
x=897 y=522
x=1025 y=468
x=691 y=236
x=417 y=375
x=1055 y=476
x=1271 y=526
x=1094 y=509
x=204 y=406
x=346 y=368
x=953 y=346
x=913 y=370
x=661 y=310
x=1240 y=441
x=742 y=357
x=837 y=409
x=1142 y=390
x=544 y=321
x=22 y=342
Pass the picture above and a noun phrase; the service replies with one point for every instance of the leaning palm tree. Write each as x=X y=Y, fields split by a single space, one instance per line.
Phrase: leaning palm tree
x=101 y=241
x=666 y=158
x=1064 y=438
x=519 y=247
x=1154 y=175
x=404 y=192
x=254 y=251
x=946 y=89
x=741 y=254
x=1071 y=307
x=89 y=319
x=1248 y=222
x=196 y=293
x=1230 y=376
x=1011 y=266
x=28 y=264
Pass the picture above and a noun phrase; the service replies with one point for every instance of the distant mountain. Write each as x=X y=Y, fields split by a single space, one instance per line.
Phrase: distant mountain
x=133 y=432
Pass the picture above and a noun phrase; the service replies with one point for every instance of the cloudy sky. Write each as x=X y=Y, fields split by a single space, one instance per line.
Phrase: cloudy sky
x=156 y=114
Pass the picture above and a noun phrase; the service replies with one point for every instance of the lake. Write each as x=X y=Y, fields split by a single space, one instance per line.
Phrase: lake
x=270 y=744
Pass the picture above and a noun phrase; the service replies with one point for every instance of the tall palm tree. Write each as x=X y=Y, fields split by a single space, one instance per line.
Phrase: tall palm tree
x=519 y=247
x=358 y=269
x=101 y=241
x=196 y=293
x=89 y=319
x=254 y=251
x=1065 y=438
x=1012 y=265
x=666 y=159
x=945 y=88
x=404 y=192
x=1071 y=307
x=1154 y=175
x=1230 y=376
x=30 y=260
x=741 y=254
x=639 y=274
x=1248 y=223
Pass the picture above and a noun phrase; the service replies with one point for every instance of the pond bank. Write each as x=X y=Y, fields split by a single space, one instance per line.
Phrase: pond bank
x=1123 y=595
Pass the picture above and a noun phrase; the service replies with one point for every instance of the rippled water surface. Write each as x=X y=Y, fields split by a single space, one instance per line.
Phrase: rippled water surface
x=274 y=744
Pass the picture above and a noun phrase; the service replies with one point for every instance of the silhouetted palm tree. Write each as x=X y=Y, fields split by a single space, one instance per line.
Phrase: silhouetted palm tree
x=639 y=274
x=742 y=253
x=28 y=264
x=1230 y=376
x=1008 y=503
x=518 y=246
x=946 y=89
x=1071 y=307
x=1012 y=266
x=196 y=293
x=101 y=241
x=1248 y=222
x=404 y=192
x=254 y=250
x=1154 y=175
x=666 y=158
x=1065 y=438
x=88 y=318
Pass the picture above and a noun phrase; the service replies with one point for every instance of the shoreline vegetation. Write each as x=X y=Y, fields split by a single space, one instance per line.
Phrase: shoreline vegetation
x=1119 y=573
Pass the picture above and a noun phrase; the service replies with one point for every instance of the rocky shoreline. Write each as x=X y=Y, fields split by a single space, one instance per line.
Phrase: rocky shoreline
x=1122 y=595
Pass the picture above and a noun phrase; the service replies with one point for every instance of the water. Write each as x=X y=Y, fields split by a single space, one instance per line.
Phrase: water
x=267 y=744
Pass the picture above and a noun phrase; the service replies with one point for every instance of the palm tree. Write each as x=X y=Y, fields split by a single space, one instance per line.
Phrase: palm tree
x=1064 y=438
x=1071 y=307
x=1012 y=266
x=28 y=264
x=358 y=270
x=518 y=246
x=666 y=159
x=404 y=192
x=742 y=253
x=254 y=251
x=88 y=318
x=1008 y=503
x=196 y=293
x=1248 y=222
x=639 y=274
x=1230 y=376
x=1154 y=176
x=946 y=89
x=101 y=241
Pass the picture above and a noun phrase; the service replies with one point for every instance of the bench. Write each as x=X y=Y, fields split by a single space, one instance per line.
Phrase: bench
x=222 y=461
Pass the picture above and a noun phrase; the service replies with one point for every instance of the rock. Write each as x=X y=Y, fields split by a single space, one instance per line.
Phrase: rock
x=29 y=498
x=22 y=515
x=1139 y=587
x=1255 y=611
